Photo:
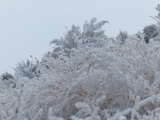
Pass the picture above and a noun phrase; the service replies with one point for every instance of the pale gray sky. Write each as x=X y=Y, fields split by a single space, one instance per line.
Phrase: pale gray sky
x=27 y=26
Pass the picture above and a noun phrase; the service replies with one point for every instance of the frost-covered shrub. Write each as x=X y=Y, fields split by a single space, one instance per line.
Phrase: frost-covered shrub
x=74 y=38
x=92 y=32
x=64 y=45
x=8 y=102
x=122 y=36
x=139 y=35
x=26 y=69
x=8 y=80
x=6 y=76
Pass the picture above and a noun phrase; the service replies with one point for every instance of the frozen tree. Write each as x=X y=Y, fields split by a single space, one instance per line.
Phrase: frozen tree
x=149 y=32
x=157 y=18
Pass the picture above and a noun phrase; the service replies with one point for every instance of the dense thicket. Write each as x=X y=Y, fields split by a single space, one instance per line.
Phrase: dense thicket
x=88 y=76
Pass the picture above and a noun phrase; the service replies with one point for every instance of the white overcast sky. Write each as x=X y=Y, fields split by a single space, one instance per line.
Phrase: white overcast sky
x=27 y=26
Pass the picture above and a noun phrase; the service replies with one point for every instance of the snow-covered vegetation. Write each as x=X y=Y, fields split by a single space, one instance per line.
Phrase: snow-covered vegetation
x=88 y=76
